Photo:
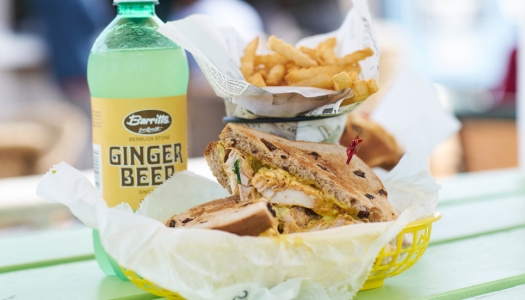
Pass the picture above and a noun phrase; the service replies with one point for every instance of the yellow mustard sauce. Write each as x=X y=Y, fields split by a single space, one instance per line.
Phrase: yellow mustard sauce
x=327 y=206
x=222 y=151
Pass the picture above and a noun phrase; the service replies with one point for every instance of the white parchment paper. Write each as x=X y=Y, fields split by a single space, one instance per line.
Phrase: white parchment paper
x=411 y=111
x=218 y=51
x=326 y=130
x=210 y=264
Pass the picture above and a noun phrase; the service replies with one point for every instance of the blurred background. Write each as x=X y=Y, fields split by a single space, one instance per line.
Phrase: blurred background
x=466 y=48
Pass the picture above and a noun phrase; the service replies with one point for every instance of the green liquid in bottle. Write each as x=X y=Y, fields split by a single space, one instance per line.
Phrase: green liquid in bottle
x=131 y=60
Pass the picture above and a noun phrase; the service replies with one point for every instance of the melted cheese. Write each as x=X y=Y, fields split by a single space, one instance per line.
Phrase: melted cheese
x=280 y=187
x=284 y=191
x=294 y=219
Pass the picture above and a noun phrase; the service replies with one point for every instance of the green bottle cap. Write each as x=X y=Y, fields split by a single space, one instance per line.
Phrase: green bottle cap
x=131 y=1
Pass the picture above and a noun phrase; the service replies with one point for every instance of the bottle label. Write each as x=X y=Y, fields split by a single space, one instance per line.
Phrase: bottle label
x=137 y=145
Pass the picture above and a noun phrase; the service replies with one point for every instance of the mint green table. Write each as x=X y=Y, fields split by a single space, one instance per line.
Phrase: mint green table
x=477 y=251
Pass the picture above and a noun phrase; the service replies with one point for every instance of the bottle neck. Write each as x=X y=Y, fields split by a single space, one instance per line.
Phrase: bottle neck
x=136 y=9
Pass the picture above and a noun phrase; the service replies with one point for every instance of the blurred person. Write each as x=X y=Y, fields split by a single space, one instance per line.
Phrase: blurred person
x=69 y=28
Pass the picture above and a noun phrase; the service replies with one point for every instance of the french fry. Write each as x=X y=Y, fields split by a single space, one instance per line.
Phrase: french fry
x=270 y=60
x=247 y=61
x=305 y=66
x=361 y=91
x=276 y=75
x=353 y=58
x=325 y=52
x=348 y=101
x=302 y=74
x=257 y=80
x=290 y=52
x=342 y=81
x=352 y=68
x=323 y=81
x=353 y=75
x=290 y=67
x=310 y=52
x=372 y=86
x=263 y=73
x=263 y=70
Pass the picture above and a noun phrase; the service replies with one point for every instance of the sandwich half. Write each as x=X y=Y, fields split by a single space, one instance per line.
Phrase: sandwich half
x=308 y=184
x=253 y=218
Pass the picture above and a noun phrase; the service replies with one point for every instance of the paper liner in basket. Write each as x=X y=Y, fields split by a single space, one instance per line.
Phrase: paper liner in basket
x=218 y=51
x=411 y=111
x=211 y=264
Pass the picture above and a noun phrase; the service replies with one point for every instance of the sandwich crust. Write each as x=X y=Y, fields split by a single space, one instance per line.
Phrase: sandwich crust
x=356 y=188
x=227 y=214
x=213 y=158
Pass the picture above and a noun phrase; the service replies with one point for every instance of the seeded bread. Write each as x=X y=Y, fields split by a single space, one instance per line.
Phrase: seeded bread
x=213 y=159
x=228 y=214
x=356 y=188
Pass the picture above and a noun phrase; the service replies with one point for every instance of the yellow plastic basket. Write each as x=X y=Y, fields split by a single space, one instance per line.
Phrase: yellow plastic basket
x=395 y=258
x=402 y=253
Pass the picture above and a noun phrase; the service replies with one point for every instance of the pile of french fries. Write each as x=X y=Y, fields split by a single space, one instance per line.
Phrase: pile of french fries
x=304 y=66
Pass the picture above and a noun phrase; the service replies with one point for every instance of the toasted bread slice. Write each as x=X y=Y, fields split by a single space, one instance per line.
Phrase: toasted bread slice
x=213 y=158
x=356 y=188
x=379 y=148
x=228 y=214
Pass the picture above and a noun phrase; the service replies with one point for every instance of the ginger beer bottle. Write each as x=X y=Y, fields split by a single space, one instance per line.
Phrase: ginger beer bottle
x=138 y=80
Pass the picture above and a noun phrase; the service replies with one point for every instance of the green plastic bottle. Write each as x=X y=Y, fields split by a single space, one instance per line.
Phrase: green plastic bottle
x=138 y=80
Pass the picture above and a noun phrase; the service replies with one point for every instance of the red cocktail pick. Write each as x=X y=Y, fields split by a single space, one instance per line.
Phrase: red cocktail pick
x=352 y=149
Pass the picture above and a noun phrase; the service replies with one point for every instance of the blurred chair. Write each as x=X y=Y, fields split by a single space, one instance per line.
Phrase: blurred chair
x=40 y=135
x=489 y=143
x=37 y=127
x=21 y=144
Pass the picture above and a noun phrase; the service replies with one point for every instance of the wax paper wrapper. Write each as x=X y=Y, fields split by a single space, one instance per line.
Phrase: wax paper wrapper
x=411 y=111
x=211 y=264
x=218 y=51
x=326 y=130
